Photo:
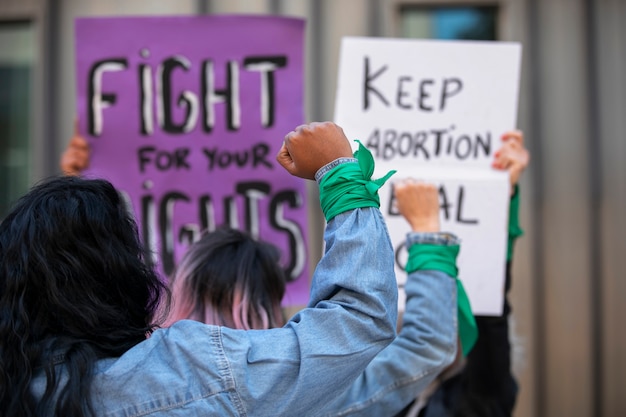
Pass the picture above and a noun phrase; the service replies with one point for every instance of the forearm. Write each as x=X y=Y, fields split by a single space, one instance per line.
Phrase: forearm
x=350 y=319
x=425 y=346
x=354 y=278
x=352 y=311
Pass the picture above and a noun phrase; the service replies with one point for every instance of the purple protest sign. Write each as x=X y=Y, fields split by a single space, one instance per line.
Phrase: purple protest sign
x=185 y=115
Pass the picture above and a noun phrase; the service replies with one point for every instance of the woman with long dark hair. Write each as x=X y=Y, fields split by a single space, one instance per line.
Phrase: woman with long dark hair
x=74 y=289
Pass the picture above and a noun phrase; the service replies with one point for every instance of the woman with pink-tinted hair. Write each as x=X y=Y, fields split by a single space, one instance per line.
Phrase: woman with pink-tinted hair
x=229 y=279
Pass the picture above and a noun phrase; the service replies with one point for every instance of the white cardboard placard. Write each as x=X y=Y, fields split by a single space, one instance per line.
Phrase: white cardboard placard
x=435 y=110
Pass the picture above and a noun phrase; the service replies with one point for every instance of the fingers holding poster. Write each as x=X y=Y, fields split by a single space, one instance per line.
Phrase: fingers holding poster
x=188 y=128
x=435 y=110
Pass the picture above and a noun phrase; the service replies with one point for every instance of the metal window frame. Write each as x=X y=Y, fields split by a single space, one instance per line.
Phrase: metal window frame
x=396 y=7
x=42 y=143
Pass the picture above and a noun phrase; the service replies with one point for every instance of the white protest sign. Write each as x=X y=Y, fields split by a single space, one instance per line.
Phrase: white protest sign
x=435 y=110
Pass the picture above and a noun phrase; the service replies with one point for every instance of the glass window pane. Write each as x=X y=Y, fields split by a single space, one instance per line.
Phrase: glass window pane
x=468 y=23
x=17 y=52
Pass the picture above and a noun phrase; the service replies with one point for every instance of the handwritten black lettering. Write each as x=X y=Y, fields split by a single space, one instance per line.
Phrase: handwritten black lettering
x=424 y=94
x=388 y=144
x=451 y=87
x=178 y=112
x=266 y=65
x=211 y=96
x=368 y=88
x=186 y=99
x=256 y=156
x=252 y=192
x=251 y=197
x=163 y=160
x=97 y=100
x=427 y=94
x=297 y=248
x=459 y=209
x=401 y=93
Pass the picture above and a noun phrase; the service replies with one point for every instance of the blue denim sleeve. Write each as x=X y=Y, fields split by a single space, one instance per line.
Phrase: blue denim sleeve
x=350 y=318
x=425 y=346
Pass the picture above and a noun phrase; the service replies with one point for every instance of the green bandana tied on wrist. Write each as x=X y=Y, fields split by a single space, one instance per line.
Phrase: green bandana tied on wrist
x=515 y=230
x=443 y=258
x=349 y=186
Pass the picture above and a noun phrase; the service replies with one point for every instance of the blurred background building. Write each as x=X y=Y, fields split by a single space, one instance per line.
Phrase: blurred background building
x=569 y=283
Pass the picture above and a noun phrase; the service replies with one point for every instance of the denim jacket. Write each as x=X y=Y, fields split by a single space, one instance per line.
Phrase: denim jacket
x=425 y=346
x=194 y=369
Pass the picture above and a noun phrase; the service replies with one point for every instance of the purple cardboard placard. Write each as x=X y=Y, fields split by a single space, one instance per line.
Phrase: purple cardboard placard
x=185 y=115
